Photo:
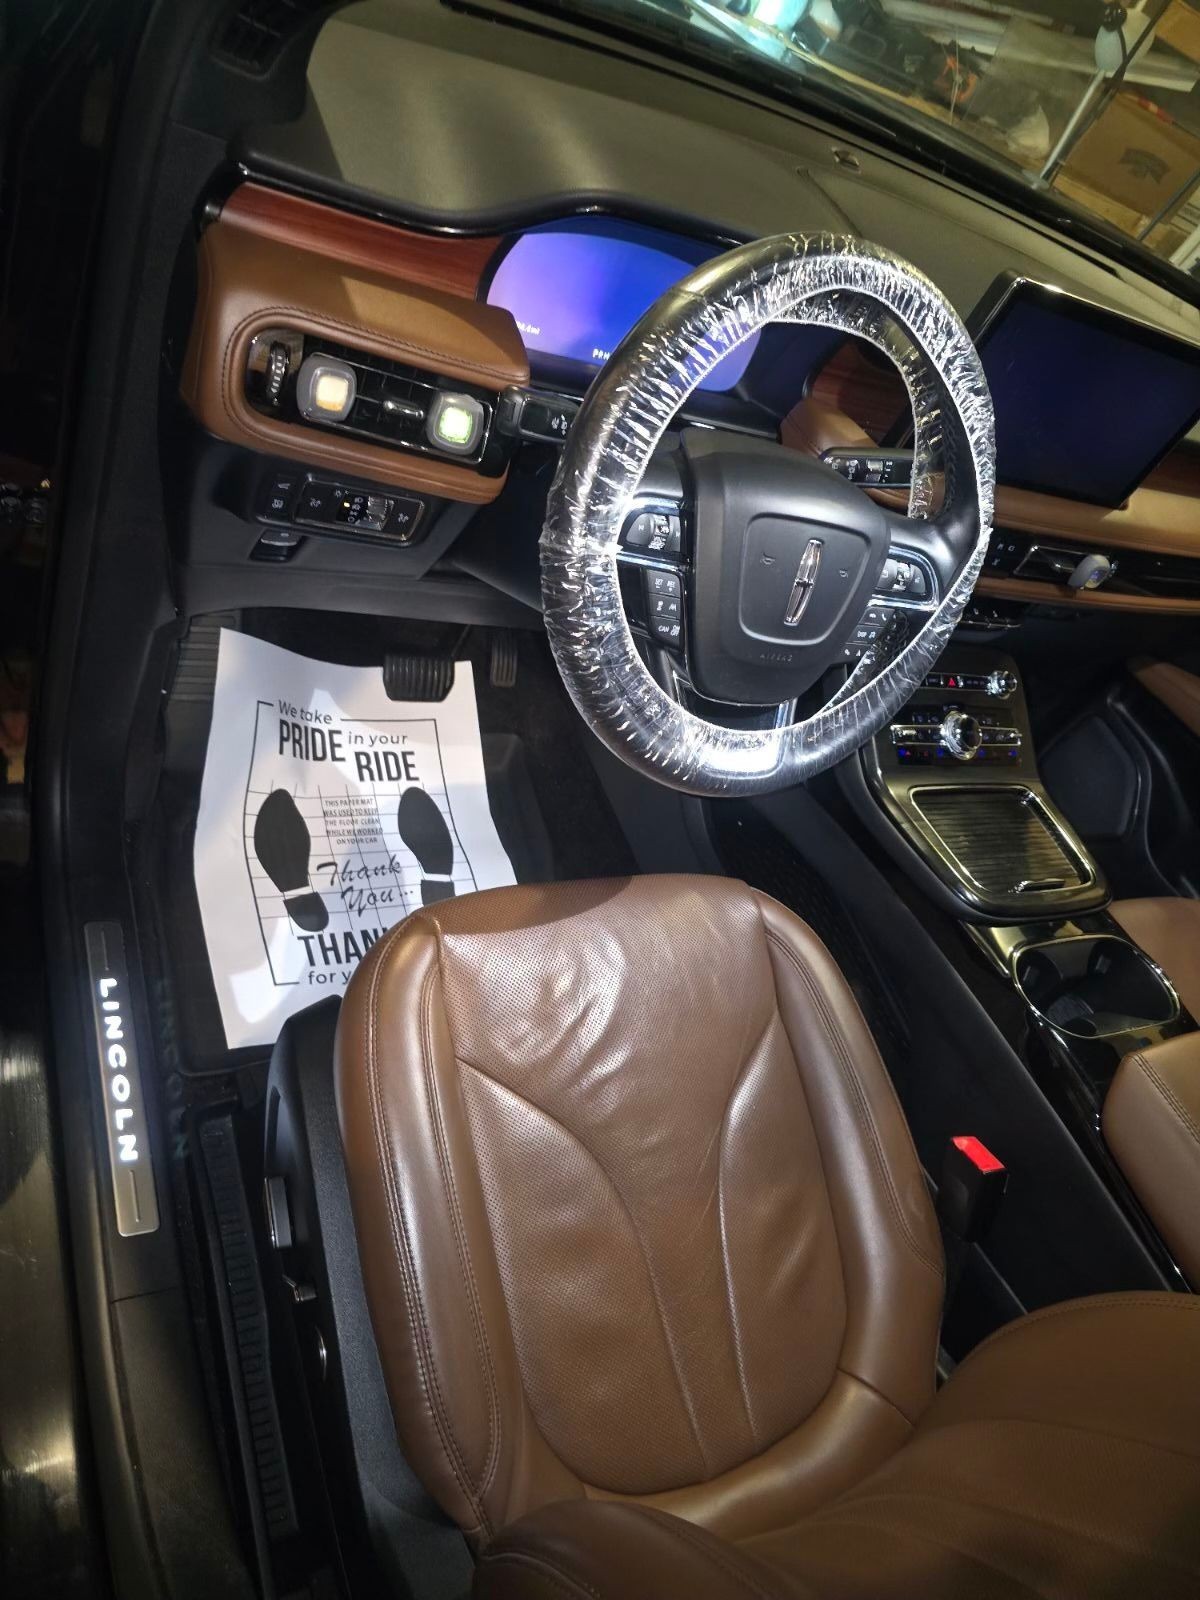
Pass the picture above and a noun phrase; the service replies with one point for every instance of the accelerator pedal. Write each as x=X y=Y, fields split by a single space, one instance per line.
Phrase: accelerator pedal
x=417 y=677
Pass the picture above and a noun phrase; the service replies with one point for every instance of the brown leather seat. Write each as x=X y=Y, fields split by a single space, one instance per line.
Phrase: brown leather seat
x=1168 y=930
x=641 y=1224
x=1151 y=1122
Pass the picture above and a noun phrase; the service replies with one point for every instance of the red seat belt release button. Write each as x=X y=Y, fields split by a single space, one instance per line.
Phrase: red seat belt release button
x=972 y=1187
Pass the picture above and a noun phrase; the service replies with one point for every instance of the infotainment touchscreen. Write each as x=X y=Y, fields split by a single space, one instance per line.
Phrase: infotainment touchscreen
x=1087 y=401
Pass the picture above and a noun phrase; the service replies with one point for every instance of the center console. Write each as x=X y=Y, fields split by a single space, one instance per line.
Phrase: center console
x=952 y=789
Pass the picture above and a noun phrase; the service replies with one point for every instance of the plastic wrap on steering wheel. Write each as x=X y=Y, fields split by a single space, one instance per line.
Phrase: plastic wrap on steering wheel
x=835 y=282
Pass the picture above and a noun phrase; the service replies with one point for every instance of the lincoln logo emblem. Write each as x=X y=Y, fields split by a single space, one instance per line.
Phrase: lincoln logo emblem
x=802 y=584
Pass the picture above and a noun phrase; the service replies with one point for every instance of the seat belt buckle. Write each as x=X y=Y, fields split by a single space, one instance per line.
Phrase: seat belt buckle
x=972 y=1187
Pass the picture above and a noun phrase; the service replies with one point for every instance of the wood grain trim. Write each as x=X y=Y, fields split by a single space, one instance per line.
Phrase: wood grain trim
x=249 y=280
x=1162 y=520
x=863 y=385
x=438 y=261
x=1057 y=594
x=815 y=426
x=1162 y=517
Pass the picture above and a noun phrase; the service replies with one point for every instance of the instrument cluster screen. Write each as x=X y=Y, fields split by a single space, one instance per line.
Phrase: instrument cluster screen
x=575 y=288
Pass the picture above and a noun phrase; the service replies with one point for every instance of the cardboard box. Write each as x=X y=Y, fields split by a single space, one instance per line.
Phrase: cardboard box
x=1179 y=26
x=1137 y=158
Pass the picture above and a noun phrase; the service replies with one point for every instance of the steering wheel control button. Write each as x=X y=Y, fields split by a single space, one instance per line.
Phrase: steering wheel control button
x=455 y=423
x=325 y=389
x=664 y=606
x=638 y=530
x=903 y=579
x=659 y=532
x=665 y=534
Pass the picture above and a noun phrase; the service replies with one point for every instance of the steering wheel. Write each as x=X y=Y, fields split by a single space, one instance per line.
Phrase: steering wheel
x=783 y=555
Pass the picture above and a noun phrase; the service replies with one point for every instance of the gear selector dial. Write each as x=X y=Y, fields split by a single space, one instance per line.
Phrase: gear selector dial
x=961 y=734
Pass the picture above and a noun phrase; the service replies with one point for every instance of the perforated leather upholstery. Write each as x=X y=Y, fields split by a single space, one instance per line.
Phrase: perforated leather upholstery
x=637 y=1209
x=641 y=1224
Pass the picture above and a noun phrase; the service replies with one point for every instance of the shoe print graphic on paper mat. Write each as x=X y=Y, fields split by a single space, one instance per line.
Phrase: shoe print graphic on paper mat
x=423 y=829
x=282 y=844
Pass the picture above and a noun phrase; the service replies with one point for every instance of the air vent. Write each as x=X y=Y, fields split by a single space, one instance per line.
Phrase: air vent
x=254 y=36
x=1002 y=840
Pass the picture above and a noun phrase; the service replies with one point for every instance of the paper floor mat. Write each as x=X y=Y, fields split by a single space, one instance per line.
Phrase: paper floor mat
x=327 y=813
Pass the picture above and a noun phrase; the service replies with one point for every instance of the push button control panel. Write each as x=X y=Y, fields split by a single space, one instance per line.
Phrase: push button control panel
x=939 y=734
x=968 y=719
x=296 y=504
x=664 y=606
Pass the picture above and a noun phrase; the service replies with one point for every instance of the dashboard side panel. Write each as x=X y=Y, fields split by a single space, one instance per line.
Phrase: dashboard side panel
x=249 y=280
x=439 y=261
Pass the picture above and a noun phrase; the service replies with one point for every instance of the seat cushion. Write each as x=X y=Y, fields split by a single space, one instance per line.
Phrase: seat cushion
x=1061 y=1460
x=638 y=1212
x=1168 y=930
x=1151 y=1121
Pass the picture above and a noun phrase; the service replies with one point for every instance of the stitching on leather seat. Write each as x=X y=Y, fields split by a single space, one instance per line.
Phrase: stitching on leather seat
x=858 y=1097
x=1169 y=1095
x=683 y=1532
x=409 y=1280
x=565 y=1582
x=483 y=1349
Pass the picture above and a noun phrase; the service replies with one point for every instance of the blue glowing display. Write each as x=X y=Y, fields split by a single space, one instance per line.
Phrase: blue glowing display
x=576 y=288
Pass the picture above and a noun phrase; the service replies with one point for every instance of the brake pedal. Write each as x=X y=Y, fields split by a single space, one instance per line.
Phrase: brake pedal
x=502 y=667
x=417 y=677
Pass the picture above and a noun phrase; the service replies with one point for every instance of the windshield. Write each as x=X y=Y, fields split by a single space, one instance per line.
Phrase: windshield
x=1095 y=103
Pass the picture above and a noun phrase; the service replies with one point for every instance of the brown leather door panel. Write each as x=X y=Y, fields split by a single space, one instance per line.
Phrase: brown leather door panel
x=249 y=281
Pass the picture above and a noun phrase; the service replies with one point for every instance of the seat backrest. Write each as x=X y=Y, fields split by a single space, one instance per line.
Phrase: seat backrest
x=638 y=1211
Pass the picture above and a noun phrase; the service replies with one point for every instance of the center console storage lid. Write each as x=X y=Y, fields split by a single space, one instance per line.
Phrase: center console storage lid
x=1151 y=1121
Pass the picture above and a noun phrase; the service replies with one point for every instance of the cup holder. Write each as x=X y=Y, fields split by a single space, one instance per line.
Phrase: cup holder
x=1094 y=986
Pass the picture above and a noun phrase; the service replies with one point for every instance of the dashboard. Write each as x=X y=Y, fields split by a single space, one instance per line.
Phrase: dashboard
x=1061 y=370
x=499 y=334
